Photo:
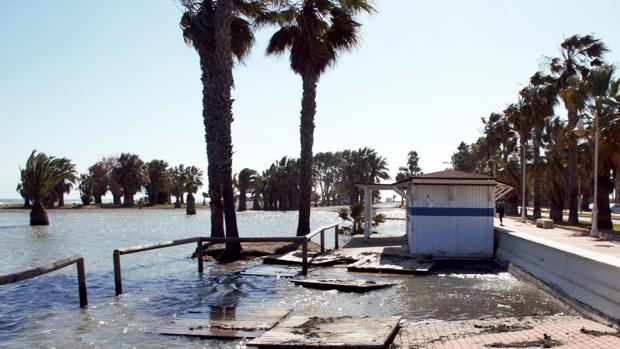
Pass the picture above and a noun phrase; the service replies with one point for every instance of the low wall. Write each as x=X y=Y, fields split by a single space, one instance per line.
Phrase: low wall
x=584 y=277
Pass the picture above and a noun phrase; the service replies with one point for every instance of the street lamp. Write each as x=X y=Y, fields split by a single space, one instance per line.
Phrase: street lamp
x=580 y=131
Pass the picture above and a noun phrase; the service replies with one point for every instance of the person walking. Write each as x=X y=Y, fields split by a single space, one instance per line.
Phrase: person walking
x=499 y=207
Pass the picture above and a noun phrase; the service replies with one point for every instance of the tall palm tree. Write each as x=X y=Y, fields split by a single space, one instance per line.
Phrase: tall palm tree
x=314 y=32
x=193 y=181
x=130 y=175
x=601 y=90
x=578 y=54
x=244 y=183
x=67 y=168
x=40 y=176
x=540 y=99
x=218 y=30
x=519 y=118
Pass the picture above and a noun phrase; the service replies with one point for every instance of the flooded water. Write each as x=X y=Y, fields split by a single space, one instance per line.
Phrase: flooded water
x=161 y=284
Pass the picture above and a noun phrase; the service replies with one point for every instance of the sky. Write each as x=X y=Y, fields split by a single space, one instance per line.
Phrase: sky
x=88 y=79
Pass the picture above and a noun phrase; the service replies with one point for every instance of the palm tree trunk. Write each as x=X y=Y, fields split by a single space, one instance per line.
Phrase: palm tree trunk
x=116 y=198
x=98 y=199
x=61 y=199
x=523 y=180
x=306 y=137
x=38 y=215
x=573 y=184
x=556 y=210
x=27 y=202
x=537 y=183
x=191 y=204
x=242 y=201
x=127 y=199
x=213 y=175
x=605 y=186
x=222 y=113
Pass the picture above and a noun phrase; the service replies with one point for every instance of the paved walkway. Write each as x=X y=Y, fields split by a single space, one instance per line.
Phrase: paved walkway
x=607 y=251
x=529 y=332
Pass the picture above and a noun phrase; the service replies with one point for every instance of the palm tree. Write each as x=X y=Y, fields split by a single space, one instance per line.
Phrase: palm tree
x=115 y=188
x=601 y=90
x=158 y=181
x=554 y=186
x=86 y=189
x=519 y=118
x=244 y=183
x=578 y=54
x=67 y=168
x=99 y=174
x=39 y=177
x=217 y=31
x=178 y=184
x=129 y=174
x=314 y=32
x=193 y=181
x=539 y=99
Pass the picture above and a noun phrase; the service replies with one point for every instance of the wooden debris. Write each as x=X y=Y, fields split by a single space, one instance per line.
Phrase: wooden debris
x=390 y=264
x=314 y=259
x=343 y=285
x=224 y=322
x=330 y=332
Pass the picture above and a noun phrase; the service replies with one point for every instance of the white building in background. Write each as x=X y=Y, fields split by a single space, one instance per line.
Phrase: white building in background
x=449 y=213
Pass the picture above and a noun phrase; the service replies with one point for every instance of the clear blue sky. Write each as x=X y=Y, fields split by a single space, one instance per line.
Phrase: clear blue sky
x=87 y=79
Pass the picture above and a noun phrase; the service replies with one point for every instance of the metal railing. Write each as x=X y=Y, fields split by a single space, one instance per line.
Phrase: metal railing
x=303 y=240
x=48 y=268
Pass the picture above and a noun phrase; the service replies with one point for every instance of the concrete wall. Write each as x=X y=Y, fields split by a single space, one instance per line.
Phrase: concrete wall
x=585 y=277
x=451 y=221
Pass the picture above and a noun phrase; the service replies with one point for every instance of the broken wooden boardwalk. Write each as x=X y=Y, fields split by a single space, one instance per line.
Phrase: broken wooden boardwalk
x=224 y=322
x=314 y=259
x=390 y=264
x=343 y=285
x=330 y=332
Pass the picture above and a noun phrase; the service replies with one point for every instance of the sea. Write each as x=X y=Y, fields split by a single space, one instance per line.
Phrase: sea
x=161 y=285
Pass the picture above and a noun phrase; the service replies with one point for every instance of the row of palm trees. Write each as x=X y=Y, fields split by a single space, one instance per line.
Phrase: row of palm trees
x=313 y=32
x=45 y=179
x=560 y=166
x=334 y=176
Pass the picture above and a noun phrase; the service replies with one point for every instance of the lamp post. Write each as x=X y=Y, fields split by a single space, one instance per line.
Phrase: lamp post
x=580 y=131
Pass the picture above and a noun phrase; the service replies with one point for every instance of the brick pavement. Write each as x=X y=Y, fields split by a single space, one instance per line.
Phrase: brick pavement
x=528 y=332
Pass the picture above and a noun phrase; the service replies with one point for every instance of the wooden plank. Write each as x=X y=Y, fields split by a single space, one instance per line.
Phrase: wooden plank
x=224 y=322
x=330 y=332
x=389 y=264
x=295 y=257
x=343 y=285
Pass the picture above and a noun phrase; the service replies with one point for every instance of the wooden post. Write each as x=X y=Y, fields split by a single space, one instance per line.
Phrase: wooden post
x=118 y=283
x=304 y=258
x=82 y=283
x=322 y=241
x=336 y=237
x=200 y=257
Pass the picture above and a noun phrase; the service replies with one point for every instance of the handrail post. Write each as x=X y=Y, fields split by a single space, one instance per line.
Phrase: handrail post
x=304 y=258
x=118 y=283
x=199 y=256
x=82 y=283
x=322 y=241
x=336 y=237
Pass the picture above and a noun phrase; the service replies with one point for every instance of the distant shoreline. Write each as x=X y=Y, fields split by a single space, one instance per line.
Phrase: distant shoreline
x=200 y=207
